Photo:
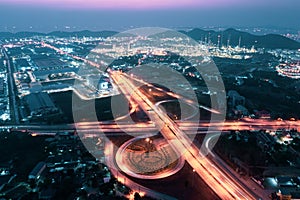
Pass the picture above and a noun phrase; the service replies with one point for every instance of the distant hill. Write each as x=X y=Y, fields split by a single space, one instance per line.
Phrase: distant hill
x=85 y=33
x=232 y=37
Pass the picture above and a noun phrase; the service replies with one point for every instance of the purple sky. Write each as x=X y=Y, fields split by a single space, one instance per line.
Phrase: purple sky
x=49 y=15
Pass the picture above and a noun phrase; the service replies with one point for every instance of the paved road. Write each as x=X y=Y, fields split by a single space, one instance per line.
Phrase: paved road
x=123 y=164
x=223 y=186
x=110 y=162
x=141 y=128
x=246 y=183
x=11 y=87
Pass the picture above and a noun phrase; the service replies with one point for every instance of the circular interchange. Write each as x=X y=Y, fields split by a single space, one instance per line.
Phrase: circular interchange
x=148 y=158
x=144 y=43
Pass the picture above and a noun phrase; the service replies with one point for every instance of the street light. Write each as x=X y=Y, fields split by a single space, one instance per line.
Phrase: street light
x=193 y=177
x=147 y=140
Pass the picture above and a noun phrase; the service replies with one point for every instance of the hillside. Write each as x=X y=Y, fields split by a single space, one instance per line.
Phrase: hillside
x=233 y=37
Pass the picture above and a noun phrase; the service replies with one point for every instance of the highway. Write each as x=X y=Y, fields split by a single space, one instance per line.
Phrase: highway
x=11 y=85
x=246 y=183
x=223 y=186
x=172 y=94
x=141 y=128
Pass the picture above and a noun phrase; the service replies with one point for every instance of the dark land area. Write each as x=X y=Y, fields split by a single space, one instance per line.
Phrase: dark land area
x=22 y=152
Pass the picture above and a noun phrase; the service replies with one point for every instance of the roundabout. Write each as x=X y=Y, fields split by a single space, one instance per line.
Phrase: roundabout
x=148 y=157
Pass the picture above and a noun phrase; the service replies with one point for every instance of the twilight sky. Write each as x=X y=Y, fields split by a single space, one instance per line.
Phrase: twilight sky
x=126 y=4
x=49 y=15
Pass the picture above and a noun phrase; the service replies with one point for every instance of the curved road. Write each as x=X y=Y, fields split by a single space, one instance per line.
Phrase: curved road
x=109 y=159
x=259 y=193
x=120 y=162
